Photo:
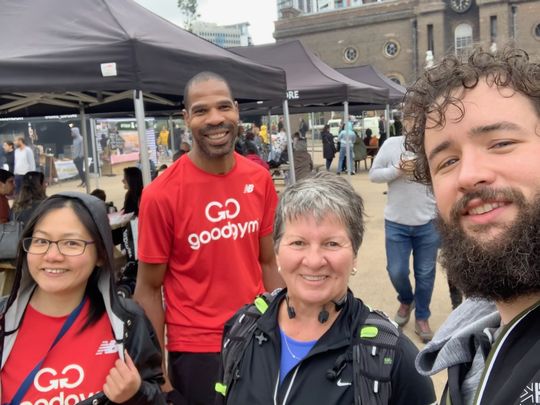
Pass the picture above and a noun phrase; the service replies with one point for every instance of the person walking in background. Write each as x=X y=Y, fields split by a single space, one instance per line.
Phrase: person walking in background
x=360 y=152
x=263 y=133
x=329 y=147
x=409 y=228
x=9 y=155
x=78 y=154
x=346 y=140
x=24 y=162
x=382 y=130
x=187 y=220
x=303 y=128
x=7 y=185
x=396 y=129
x=474 y=128
x=163 y=141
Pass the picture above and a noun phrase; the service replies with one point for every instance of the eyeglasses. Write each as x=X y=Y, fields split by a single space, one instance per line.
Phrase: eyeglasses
x=66 y=247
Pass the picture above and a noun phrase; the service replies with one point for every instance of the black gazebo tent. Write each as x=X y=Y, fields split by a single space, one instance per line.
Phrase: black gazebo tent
x=371 y=75
x=95 y=56
x=310 y=81
x=93 y=50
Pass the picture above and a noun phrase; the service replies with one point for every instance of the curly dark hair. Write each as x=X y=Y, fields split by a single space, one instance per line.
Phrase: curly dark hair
x=445 y=84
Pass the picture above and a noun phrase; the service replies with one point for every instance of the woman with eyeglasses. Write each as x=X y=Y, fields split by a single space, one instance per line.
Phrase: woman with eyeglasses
x=66 y=337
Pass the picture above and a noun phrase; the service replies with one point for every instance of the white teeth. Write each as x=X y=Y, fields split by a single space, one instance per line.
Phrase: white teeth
x=55 y=271
x=217 y=136
x=313 y=278
x=482 y=209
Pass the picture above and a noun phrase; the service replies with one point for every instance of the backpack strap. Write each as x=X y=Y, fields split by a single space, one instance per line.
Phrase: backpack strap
x=374 y=351
x=238 y=334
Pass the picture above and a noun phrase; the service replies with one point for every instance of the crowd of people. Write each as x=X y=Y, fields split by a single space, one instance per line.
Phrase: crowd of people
x=248 y=294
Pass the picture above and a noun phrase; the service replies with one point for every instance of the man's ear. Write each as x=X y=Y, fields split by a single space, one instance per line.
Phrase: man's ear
x=236 y=105
x=185 y=113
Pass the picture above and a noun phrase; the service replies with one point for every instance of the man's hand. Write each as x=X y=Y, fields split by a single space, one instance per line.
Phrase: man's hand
x=123 y=381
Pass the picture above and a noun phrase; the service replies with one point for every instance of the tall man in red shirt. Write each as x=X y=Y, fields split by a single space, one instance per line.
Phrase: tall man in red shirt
x=204 y=235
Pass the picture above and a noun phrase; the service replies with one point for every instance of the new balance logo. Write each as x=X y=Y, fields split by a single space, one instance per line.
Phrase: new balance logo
x=249 y=188
x=107 y=347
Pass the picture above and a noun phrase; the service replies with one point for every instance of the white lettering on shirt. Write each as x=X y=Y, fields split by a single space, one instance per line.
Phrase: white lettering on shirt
x=217 y=212
x=48 y=379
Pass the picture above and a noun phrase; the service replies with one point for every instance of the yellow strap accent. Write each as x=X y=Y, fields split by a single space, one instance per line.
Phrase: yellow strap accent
x=261 y=304
x=221 y=388
x=369 y=332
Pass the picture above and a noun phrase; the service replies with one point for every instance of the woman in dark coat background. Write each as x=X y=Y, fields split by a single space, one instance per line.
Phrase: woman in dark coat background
x=329 y=147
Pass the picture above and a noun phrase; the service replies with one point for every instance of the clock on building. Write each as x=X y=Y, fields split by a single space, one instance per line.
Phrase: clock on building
x=460 y=6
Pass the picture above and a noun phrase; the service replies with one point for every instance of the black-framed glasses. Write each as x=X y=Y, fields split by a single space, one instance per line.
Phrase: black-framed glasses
x=66 y=247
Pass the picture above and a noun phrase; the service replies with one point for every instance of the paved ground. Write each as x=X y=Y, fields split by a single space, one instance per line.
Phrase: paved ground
x=371 y=283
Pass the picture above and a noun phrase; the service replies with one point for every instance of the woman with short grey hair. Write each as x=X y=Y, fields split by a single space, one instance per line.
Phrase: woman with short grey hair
x=314 y=342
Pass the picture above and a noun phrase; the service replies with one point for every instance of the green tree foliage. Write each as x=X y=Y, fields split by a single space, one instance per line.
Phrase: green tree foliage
x=189 y=9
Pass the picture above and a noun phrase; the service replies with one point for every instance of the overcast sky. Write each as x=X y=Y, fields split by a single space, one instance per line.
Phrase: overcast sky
x=260 y=14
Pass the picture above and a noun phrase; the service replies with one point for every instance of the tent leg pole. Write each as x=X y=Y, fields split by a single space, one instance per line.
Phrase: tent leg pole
x=387 y=120
x=269 y=132
x=311 y=125
x=95 y=150
x=292 y=175
x=348 y=149
x=85 y=149
x=174 y=147
x=141 y=129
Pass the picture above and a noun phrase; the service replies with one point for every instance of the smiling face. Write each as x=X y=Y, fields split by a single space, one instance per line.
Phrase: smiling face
x=54 y=273
x=485 y=166
x=316 y=260
x=212 y=116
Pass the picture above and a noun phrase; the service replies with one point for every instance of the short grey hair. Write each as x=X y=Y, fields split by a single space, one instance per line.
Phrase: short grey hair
x=320 y=196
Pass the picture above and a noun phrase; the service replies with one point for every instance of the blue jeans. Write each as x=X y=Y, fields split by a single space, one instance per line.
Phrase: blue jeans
x=423 y=242
x=343 y=158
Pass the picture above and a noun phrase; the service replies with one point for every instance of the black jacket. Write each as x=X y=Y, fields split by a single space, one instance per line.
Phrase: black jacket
x=131 y=329
x=512 y=371
x=329 y=147
x=307 y=383
x=10 y=160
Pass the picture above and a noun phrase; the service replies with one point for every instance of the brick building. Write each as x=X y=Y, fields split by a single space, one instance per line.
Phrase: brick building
x=396 y=35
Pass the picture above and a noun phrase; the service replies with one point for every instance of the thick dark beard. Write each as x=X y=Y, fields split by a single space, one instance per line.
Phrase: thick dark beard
x=502 y=269
x=222 y=151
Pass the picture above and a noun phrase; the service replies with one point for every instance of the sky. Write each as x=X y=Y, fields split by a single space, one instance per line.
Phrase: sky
x=260 y=14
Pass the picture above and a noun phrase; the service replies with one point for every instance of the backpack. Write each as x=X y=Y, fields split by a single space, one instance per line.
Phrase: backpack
x=372 y=351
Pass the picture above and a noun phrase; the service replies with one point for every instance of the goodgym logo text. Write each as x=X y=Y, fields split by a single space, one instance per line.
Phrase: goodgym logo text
x=217 y=212
x=48 y=379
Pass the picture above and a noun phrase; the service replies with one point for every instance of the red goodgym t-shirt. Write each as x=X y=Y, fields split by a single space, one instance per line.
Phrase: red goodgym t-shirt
x=74 y=370
x=206 y=228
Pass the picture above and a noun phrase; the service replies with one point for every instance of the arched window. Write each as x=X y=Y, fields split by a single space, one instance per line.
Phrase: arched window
x=463 y=40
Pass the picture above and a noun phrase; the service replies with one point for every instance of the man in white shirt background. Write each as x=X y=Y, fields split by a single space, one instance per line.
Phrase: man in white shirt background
x=24 y=162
